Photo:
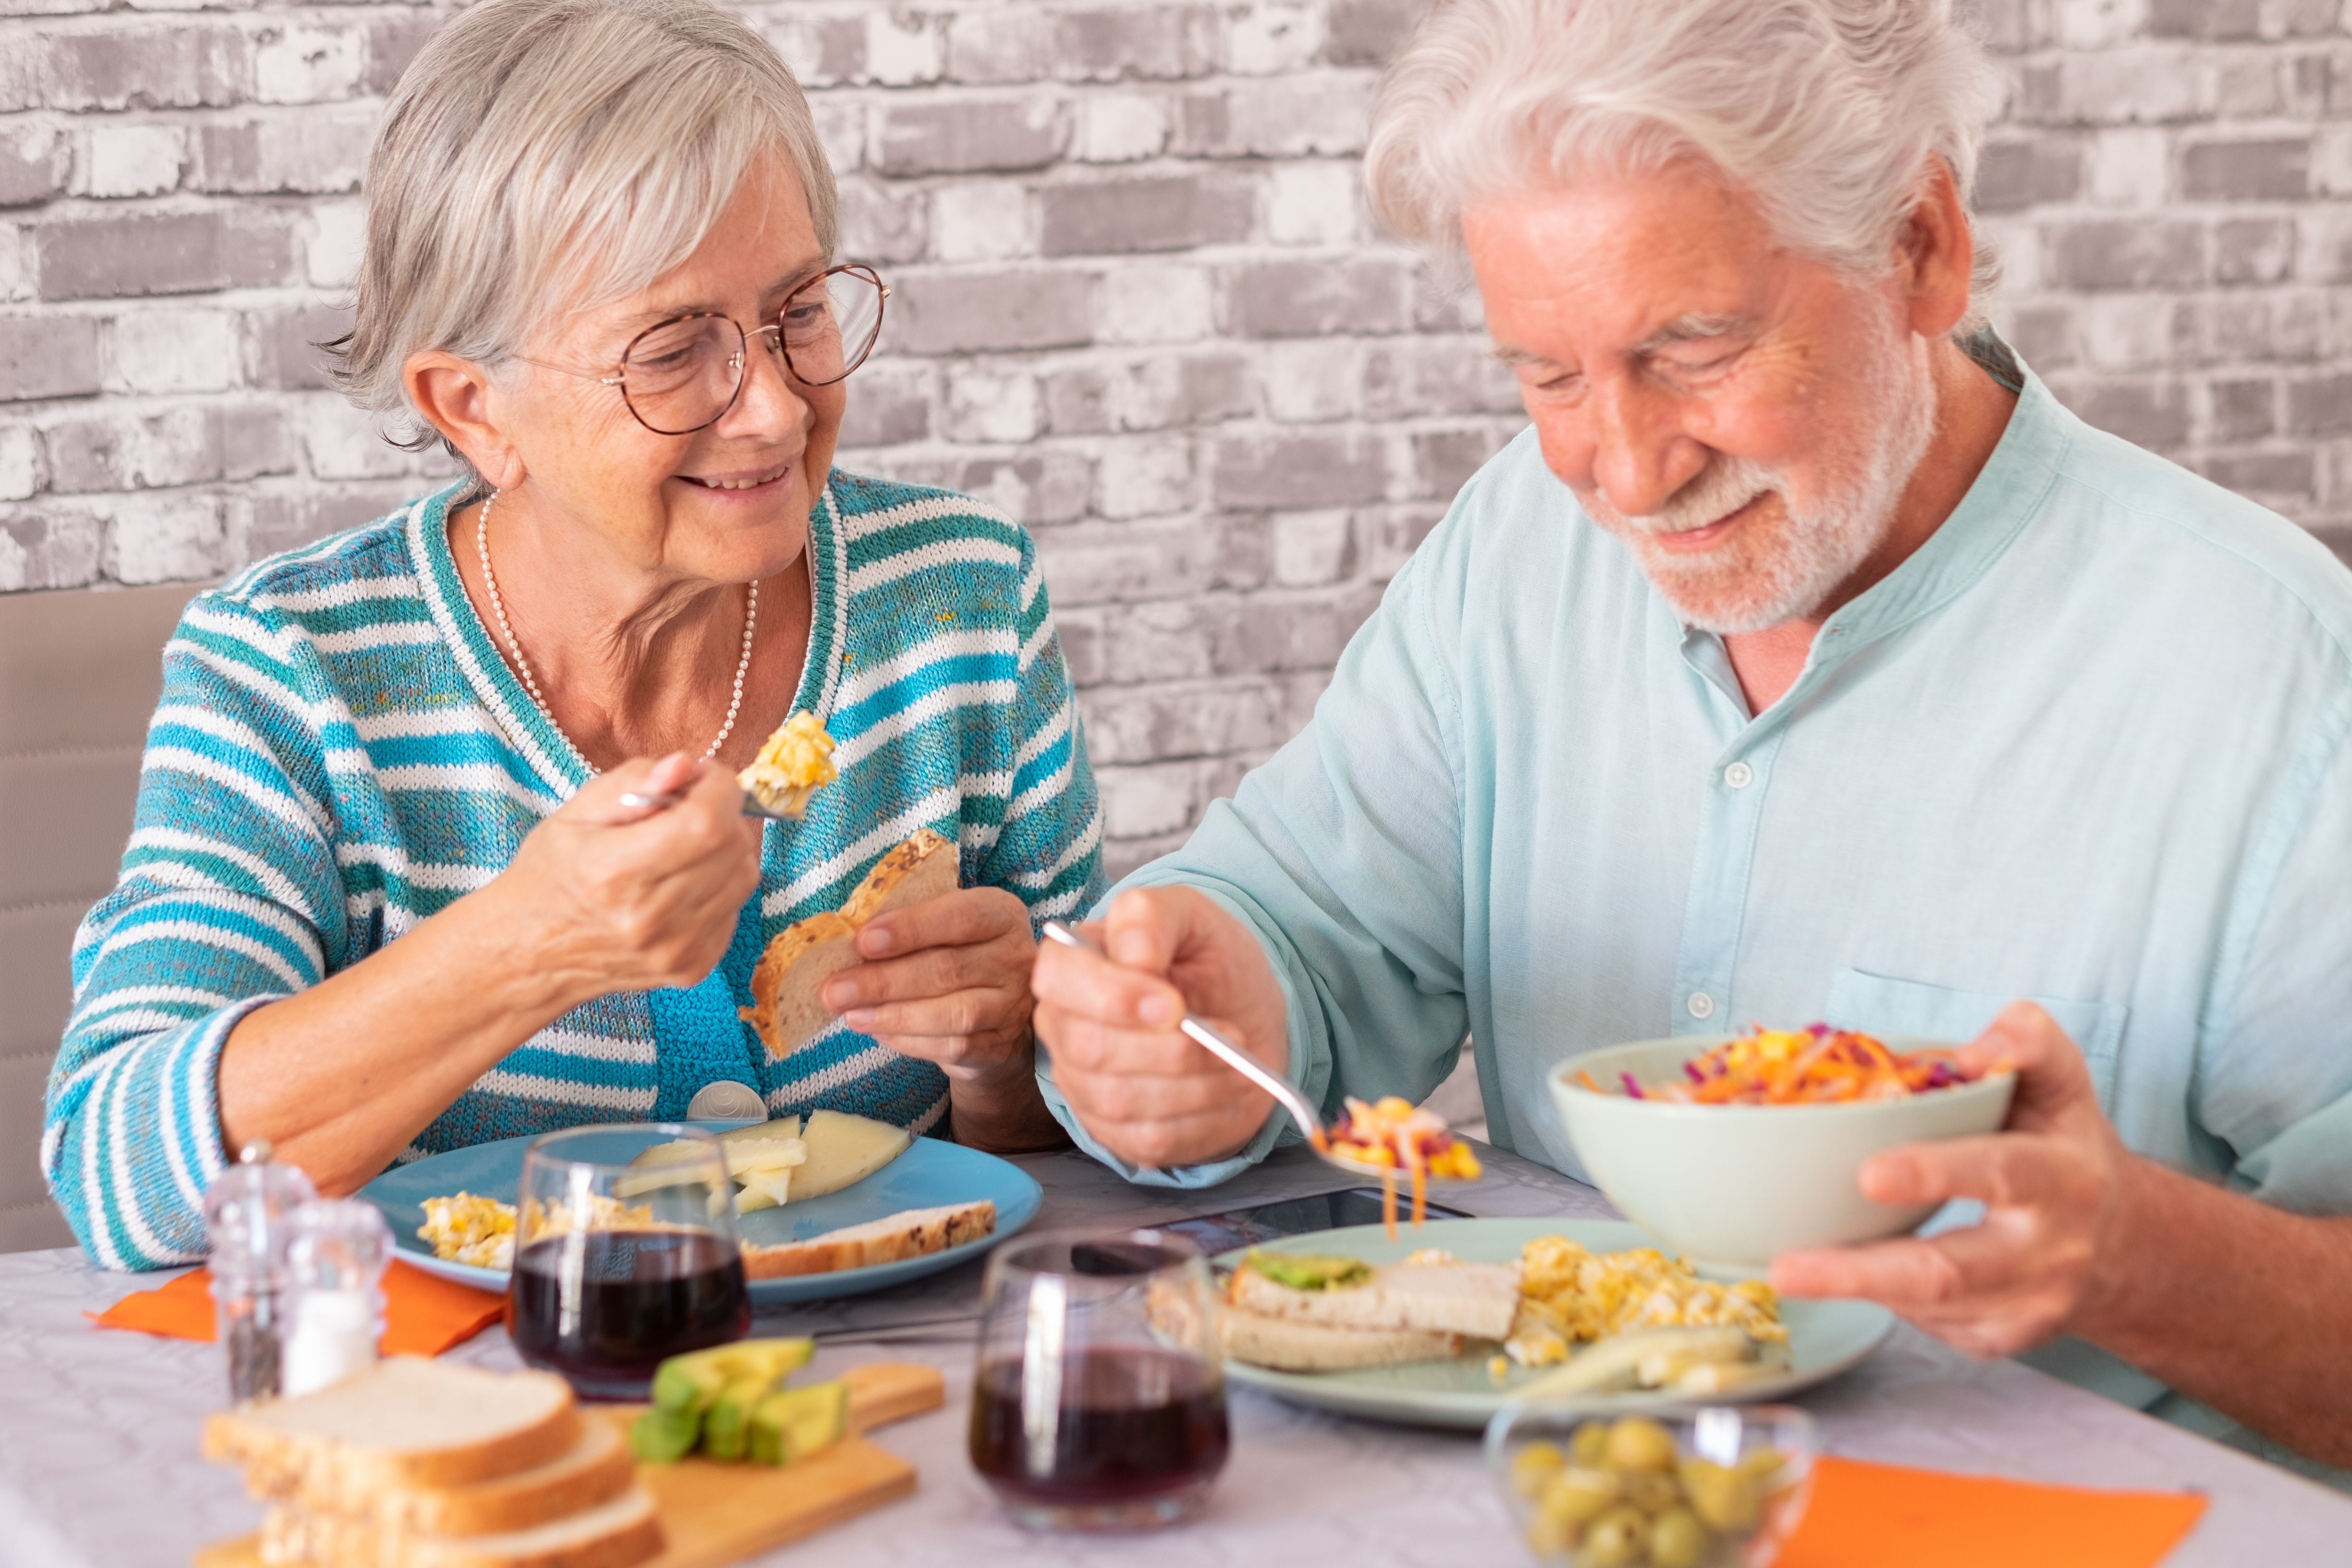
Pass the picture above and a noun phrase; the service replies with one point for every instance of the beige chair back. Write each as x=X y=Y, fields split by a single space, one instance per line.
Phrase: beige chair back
x=79 y=672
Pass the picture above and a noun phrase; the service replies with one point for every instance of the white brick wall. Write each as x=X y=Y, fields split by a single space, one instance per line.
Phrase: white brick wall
x=1139 y=303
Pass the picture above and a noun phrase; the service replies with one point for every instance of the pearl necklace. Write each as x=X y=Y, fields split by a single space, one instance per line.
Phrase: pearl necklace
x=522 y=665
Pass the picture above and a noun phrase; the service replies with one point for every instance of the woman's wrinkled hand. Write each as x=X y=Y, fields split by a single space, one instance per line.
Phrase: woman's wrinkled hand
x=610 y=897
x=946 y=980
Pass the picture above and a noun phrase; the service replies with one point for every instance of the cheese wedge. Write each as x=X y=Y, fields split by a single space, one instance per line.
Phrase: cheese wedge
x=842 y=1149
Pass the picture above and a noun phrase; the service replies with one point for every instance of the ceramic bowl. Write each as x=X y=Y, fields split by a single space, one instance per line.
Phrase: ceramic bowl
x=1736 y=1186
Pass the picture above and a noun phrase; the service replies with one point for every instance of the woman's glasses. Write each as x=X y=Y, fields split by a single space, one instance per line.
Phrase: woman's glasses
x=678 y=375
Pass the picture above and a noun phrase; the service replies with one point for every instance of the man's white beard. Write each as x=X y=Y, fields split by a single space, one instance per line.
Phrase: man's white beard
x=1735 y=589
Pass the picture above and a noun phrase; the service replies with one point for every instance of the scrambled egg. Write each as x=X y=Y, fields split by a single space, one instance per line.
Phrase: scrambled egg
x=793 y=764
x=1568 y=1295
x=470 y=1230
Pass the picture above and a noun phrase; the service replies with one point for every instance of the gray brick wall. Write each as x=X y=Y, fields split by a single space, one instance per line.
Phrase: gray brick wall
x=1140 y=304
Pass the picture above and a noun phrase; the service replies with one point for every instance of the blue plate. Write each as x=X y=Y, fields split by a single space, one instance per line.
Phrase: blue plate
x=931 y=1173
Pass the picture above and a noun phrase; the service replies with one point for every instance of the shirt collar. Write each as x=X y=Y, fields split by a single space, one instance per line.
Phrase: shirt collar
x=2008 y=489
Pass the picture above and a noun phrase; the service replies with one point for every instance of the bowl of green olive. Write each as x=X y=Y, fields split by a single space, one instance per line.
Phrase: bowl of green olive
x=1713 y=1487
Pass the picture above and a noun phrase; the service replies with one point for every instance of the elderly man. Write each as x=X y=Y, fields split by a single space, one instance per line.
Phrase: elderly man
x=1805 y=660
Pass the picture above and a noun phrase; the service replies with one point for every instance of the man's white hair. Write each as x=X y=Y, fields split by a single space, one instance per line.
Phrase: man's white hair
x=543 y=157
x=1825 y=110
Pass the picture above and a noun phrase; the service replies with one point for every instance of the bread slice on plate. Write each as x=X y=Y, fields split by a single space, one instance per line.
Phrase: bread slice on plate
x=786 y=1009
x=1287 y=1344
x=620 y=1532
x=1477 y=1300
x=404 y=1422
x=915 y=1233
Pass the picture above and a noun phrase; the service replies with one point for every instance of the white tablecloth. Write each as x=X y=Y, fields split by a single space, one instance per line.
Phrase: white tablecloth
x=98 y=1429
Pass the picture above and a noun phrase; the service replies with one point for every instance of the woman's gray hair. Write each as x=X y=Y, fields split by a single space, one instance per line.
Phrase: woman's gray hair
x=1826 y=110
x=545 y=156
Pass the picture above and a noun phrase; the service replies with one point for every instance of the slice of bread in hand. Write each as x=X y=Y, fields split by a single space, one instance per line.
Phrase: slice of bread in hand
x=404 y=1422
x=786 y=1007
x=788 y=984
x=620 y=1532
x=916 y=872
x=1286 y=1344
x=1475 y=1298
x=916 y=1233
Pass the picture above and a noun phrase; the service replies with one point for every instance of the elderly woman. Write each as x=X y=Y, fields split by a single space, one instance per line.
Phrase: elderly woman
x=601 y=269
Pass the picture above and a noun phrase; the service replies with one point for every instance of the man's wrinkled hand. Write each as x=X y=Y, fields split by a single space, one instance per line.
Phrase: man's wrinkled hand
x=2052 y=1183
x=1142 y=1088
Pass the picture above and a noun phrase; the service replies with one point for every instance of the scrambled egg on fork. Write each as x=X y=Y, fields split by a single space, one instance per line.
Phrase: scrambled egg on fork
x=1568 y=1295
x=793 y=764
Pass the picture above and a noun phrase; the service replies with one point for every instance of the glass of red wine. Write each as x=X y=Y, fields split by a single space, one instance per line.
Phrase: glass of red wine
x=1099 y=1402
x=618 y=1264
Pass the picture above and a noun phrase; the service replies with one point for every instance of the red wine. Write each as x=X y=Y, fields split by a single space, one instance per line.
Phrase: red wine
x=1131 y=1423
x=604 y=1316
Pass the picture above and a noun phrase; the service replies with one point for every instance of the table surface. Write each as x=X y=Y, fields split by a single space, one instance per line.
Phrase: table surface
x=98 y=1429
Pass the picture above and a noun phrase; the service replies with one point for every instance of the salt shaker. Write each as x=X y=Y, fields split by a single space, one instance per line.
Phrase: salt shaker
x=336 y=1250
x=246 y=1210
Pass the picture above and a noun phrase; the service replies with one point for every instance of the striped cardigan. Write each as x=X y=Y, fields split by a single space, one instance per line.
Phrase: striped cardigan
x=340 y=751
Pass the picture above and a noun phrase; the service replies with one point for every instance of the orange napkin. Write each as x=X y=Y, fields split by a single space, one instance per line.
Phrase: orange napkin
x=423 y=1314
x=1868 y=1516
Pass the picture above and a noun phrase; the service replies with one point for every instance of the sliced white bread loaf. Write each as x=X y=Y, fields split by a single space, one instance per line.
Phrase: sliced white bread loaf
x=404 y=1422
x=596 y=1470
x=914 y=1233
x=1478 y=1300
x=1287 y=1344
x=620 y=1532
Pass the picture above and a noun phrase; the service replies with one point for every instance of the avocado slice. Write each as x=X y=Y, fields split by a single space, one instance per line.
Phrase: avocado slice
x=1310 y=1271
x=726 y=1429
x=691 y=1383
x=664 y=1437
x=794 y=1423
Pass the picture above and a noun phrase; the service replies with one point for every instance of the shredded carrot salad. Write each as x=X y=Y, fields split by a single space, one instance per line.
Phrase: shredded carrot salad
x=1395 y=1135
x=1814 y=1066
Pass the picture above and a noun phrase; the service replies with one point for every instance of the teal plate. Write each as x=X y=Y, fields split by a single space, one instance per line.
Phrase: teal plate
x=930 y=1174
x=1824 y=1337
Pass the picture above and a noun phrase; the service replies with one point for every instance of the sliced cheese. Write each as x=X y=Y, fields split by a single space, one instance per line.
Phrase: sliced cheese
x=842 y=1149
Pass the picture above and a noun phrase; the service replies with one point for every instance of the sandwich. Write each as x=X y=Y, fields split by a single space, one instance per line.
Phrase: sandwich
x=1306 y=1313
x=788 y=984
x=427 y=1464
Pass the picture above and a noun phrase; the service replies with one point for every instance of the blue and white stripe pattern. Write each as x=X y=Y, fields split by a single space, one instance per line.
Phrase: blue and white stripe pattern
x=340 y=751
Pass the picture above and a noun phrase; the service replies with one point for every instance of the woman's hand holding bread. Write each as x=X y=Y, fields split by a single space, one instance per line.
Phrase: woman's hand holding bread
x=946 y=980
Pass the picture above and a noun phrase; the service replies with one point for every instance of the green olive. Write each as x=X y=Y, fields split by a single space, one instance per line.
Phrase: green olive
x=1590 y=1445
x=1617 y=1538
x=1678 y=1540
x=1535 y=1465
x=1761 y=1463
x=1651 y=1492
x=1572 y=1497
x=1549 y=1538
x=1724 y=1499
x=1638 y=1443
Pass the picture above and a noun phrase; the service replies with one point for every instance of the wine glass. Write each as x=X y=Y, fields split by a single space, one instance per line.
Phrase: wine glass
x=1099 y=1398
x=618 y=1266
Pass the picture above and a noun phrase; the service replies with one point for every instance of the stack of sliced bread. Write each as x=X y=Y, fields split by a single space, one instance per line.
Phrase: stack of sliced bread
x=1327 y=1318
x=427 y=1464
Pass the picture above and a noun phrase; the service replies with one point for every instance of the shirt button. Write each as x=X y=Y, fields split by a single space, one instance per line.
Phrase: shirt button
x=1740 y=775
x=1701 y=1005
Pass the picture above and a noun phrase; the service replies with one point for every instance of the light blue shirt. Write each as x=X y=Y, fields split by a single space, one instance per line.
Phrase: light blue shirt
x=2087 y=746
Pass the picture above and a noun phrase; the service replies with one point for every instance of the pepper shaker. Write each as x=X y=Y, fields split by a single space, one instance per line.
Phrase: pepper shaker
x=245 y=1211
x=336 y=1250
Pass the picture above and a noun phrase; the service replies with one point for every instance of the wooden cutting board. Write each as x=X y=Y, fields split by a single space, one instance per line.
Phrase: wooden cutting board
x=714 y=1514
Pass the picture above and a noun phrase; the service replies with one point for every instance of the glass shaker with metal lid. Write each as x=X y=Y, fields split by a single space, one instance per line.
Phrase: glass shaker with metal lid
x=246 y=1210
